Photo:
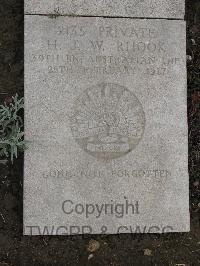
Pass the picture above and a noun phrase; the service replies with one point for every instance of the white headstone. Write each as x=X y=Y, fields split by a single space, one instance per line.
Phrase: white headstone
x=106 y=121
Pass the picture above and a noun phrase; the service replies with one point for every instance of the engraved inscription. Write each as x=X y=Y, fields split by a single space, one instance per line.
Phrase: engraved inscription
x=81 y=48
x=107 y=121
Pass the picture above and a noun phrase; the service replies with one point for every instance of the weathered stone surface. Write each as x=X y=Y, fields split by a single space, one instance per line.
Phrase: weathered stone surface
x=125 y=8
x=106 y=118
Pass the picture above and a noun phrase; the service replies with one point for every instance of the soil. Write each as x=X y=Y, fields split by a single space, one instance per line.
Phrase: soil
x=115 y=250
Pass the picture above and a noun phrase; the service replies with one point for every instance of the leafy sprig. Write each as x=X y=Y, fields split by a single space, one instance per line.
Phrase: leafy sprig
x=11 y=128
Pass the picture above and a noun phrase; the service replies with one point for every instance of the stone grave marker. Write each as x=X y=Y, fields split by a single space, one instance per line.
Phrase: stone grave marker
x=106 y=121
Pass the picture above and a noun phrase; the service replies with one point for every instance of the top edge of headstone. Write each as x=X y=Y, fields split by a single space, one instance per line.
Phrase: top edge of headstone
x=169 y=9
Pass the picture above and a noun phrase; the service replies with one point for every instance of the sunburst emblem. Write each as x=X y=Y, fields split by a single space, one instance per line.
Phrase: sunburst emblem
x=107 y=120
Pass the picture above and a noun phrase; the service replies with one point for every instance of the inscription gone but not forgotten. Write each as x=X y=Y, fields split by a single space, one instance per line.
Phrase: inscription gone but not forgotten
x=106 y=118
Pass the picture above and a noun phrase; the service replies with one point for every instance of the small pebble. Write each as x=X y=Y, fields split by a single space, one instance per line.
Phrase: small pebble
x=90 y=256
x=147 y=252
x=93 y=245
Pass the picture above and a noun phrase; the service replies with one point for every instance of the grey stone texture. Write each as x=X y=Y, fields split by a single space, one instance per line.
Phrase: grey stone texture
x=106 y=121
x=124 y=8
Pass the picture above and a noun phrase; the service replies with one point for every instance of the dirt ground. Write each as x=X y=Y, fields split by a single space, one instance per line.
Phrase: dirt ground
x=123 y=250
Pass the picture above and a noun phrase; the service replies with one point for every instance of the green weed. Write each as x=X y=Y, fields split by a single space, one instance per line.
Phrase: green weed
x=11 y=128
